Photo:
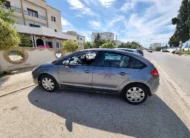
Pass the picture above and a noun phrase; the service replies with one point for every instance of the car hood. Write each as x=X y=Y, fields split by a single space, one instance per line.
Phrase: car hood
x=49 y=64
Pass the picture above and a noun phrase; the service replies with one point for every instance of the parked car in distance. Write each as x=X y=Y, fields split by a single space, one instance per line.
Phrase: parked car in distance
x=112 y=71
x=165 y=50
x=129 y=50
x=150 y=51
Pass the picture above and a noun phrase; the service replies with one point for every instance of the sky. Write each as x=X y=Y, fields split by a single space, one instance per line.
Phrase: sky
x=144 y=21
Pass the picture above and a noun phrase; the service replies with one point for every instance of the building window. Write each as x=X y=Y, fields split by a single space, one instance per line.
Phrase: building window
x=53 y=19
x=7 y=4
x=34 y=25
x=80 y=38
x=32 y=13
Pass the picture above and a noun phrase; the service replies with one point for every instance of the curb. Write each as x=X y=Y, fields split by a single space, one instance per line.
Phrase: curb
x=12 y=92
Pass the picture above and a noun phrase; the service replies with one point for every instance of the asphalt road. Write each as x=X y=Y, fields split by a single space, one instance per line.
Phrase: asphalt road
x=178 y=67
x=35 y=113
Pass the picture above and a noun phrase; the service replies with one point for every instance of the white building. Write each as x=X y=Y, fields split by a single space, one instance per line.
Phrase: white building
x=80 y=38
x=118 y=42
x=155 y=45
x=103 y=35
x=41 y=22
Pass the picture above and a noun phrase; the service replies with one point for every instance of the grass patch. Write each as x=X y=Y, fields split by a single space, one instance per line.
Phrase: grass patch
x=187 y=52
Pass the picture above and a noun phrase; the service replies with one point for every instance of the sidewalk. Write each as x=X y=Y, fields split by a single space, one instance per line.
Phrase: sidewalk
x=19 y=80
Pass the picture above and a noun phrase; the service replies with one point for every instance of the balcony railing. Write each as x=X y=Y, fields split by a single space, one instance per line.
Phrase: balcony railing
x=34 y=15
x=16 y=9
x=19 y=10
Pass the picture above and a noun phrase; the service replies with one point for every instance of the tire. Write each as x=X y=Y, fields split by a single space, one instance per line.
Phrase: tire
x=135 y=94
x=48 y=83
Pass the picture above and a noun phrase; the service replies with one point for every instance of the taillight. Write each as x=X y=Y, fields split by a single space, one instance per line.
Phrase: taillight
x=154 y=73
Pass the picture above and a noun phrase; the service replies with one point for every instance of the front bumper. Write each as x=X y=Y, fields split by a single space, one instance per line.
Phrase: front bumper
x=35 y=77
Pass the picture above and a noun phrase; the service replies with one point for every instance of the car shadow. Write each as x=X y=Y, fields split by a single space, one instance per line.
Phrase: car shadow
x=3 y=80
x=109 y=113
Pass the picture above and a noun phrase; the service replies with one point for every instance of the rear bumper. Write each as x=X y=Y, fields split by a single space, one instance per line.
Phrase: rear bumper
x=154 y=84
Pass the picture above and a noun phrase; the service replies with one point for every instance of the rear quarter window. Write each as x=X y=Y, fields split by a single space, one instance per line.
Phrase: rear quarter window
x=136 y=64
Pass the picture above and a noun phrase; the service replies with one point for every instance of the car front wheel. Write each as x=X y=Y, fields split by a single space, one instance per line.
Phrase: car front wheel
x=135 y=94
x=48 y=83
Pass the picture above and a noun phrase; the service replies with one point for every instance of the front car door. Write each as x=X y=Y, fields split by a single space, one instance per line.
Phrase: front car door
x=77 y=70
x=111 y=71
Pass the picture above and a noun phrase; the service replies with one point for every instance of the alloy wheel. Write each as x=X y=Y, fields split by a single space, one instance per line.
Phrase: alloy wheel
x=48 y=83
x=135 y=94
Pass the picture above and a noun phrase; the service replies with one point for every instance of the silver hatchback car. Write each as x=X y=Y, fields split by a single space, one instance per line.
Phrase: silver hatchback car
x=106 y=70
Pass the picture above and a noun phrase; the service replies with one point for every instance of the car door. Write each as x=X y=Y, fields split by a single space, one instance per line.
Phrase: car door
x=77 y=71
x=111 y=71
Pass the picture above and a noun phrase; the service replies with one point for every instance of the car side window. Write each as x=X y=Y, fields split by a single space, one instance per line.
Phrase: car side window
x=85 y=59
x=136 y=64
x=108 y=59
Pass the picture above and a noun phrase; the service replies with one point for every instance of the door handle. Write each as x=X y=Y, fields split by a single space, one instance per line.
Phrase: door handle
x=87 y=71
x=122 y=73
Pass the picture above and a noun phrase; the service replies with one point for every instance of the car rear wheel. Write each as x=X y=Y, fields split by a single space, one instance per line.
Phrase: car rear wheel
x=135 y=94
x=48 y=83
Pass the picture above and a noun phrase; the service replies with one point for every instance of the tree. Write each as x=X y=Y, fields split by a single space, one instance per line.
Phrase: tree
x=87 y=45
x=8 y=36
x=158 y=48
x=5 y=15
x=182 y=22
x=108 y=45
x=70 y=46
x=25 y=41
x=174 y=41
x=98 y=42
x=133 y=45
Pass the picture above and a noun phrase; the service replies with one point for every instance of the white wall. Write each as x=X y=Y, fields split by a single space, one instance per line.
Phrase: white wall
x=15 y=3
x=35 y=58
x=57 y=14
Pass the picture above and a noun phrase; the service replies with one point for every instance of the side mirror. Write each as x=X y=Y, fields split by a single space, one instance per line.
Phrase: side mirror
x=66 y=64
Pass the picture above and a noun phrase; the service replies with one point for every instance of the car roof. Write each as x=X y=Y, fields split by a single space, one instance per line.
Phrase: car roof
x=127 y=49
x=112 y=50
x=134 y=55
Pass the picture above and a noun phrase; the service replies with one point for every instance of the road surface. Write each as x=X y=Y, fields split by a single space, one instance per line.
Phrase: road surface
x=178 y=67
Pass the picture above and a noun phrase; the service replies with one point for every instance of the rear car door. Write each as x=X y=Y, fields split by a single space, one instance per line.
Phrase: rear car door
x=111 y=71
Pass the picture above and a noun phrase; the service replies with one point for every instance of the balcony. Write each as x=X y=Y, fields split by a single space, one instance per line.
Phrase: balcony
x=16 y=9
x=43 y=31
x=34 y=15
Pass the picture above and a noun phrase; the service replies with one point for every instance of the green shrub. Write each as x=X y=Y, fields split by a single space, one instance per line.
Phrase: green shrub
x=108 y=45
x=8 y=35
x=70 y=46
